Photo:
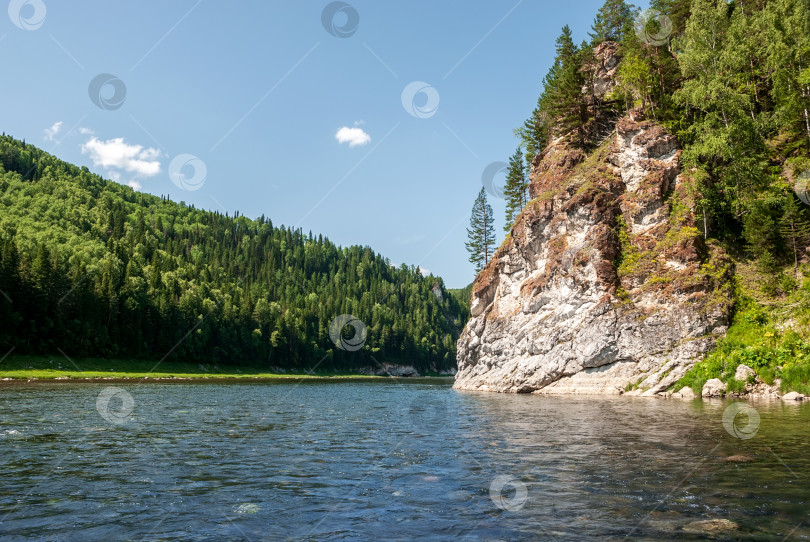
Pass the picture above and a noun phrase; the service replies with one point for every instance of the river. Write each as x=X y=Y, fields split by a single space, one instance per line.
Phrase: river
x=392 y=460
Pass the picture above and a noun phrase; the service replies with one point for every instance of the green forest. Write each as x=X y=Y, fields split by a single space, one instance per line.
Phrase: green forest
x=91 y=268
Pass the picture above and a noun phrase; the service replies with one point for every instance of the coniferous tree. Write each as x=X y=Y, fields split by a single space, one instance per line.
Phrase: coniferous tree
x=562 y=98
x=516 y=189
x=612 y=19
x=534 y=133
x=795 y=229
x=481 y=233
x=677 y=11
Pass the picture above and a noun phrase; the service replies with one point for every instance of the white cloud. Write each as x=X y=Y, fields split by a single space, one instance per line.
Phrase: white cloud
x=86 y=131
x=53 y=131
x=353 y=136
x=135 y=185
x=114 y=154
x=424 y=270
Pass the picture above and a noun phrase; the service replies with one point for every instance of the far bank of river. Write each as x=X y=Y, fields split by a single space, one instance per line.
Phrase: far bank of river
x=63 y=369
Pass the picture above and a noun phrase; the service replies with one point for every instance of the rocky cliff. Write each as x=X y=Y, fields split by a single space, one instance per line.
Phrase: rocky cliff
x=604 y=285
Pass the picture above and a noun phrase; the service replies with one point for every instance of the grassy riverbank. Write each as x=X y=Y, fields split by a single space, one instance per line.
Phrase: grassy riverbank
x=60 y=367
x=770 y=332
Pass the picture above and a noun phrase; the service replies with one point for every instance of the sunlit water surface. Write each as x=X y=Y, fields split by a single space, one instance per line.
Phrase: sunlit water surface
x=390 y=460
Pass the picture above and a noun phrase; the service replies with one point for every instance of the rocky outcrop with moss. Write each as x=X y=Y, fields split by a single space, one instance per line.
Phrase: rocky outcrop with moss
x=604 y=284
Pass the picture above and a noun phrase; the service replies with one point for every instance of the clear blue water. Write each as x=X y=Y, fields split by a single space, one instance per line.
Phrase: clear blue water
x=389 y=460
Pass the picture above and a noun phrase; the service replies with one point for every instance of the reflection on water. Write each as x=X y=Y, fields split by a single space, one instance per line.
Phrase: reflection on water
x=391 y=460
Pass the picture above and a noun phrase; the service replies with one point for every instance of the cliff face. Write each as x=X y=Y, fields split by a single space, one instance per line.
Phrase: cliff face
x=604 y=285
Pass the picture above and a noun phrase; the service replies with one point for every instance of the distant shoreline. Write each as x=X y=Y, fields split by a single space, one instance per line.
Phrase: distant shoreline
x=215 y=379
x=55 y=369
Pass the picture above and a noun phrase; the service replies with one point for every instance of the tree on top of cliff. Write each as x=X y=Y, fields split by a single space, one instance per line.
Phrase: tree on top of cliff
x=481 y=233
x=562 y=97
x=516 y=189
x=676 y=10
x=614 y=18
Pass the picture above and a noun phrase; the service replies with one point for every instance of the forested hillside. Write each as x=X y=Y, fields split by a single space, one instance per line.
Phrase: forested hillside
x=92 y=268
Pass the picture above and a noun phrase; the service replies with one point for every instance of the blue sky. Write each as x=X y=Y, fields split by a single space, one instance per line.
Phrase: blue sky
x=242 y=102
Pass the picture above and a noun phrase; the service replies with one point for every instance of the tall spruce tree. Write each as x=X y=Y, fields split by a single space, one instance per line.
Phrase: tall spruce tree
x=562 y=97
x=481 y=233
x=515 y=191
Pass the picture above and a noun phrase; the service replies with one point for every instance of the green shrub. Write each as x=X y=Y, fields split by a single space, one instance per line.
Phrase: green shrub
x=752 y=341
x=735 y=386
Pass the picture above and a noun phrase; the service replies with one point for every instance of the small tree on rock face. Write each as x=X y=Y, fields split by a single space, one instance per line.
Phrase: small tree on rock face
x=635 y=80
x=481 y=233
x=515 y=189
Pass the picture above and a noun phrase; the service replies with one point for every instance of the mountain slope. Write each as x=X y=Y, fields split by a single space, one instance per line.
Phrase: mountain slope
x=92 y=268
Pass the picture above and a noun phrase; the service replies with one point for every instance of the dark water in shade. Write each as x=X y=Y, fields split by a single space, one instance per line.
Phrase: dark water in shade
x=390 y=461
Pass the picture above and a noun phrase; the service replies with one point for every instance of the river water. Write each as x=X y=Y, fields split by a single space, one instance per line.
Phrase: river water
x=393 y=460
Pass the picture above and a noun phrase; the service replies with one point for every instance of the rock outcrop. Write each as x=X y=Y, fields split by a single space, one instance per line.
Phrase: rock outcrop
x=604 y=285
x=713 y=387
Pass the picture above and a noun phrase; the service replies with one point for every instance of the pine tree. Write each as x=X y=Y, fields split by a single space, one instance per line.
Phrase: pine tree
x=795 y=229
x=534 y=133
x=562 y=97
x=677 y=11
x=612 y=19
x=481 y=233
x=515 y=191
